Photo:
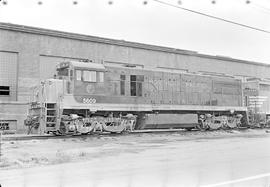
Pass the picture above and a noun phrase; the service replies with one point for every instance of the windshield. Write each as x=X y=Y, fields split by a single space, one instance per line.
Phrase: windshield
x=62 y=72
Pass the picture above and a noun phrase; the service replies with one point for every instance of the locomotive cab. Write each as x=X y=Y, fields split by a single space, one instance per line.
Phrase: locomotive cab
x=82 y=77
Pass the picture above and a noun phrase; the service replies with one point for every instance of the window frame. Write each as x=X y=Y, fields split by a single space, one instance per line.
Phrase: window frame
x=136 y=85
x=5 y=89
x=100 y=75
x=4 y=125
x=64 y=70
x=92 y=74
x=78 y=72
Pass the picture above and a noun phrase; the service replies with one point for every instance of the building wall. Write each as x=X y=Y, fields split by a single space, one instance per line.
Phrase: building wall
x=37 y=52
x=13 y=113
x=8 y=76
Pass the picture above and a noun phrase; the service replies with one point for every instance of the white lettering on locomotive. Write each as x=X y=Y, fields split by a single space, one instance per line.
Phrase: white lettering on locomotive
x=89 y=100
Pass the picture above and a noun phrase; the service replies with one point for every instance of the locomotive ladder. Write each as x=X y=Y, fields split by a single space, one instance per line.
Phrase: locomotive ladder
x=50 y=116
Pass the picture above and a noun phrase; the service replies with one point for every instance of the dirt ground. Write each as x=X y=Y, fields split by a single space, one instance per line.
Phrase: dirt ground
x=138 y=159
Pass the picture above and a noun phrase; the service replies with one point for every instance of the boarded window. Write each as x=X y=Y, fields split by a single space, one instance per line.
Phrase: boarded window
x=122 y=84
x=8 y=76
x=4 y=90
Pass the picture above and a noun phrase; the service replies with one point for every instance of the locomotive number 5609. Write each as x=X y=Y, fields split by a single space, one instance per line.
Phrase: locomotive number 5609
x=89 y=100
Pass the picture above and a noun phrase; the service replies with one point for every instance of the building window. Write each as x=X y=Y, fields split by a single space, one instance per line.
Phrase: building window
x=78 y=75
x=122 y=84
x=90 y=76
x=4 y=90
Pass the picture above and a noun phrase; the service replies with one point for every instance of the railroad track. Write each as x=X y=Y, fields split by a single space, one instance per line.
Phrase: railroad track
x=49 y=136
x=15 y=137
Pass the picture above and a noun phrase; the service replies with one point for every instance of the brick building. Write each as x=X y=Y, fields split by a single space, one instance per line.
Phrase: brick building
x=29 y=54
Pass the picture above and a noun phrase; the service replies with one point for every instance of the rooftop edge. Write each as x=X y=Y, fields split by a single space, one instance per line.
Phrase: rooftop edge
x=69 y=35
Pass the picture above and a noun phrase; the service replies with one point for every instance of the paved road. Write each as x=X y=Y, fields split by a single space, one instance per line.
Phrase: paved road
x=159 y=160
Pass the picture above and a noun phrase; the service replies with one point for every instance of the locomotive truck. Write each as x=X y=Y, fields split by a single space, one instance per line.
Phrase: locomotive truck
x=84 y=97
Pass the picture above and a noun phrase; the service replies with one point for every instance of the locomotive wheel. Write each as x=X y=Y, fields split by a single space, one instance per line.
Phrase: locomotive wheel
x=81 y=128
x=232 y=125
x=97 y=126
x=206 y=127
x=29 y=130
x=215 y=126
x=199 y=126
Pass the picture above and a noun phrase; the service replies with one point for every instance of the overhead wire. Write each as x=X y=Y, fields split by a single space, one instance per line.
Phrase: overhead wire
x=257 y=6
x=213 y=17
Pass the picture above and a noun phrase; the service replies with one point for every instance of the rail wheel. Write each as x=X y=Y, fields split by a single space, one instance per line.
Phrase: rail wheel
x=199 y=126
x=232 y=123
x=82 y=128
x=215 y=126
x=97 y=126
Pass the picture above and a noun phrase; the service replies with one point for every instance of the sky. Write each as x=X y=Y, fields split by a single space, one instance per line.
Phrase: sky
x=154 y=23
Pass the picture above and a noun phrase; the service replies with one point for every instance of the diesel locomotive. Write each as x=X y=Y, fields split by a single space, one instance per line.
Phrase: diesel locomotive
x=84 y=97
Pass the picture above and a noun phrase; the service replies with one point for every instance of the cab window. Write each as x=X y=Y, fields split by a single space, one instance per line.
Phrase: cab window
x=100 y=76
x=90 y=76
x=78 y=75
x=63 y=72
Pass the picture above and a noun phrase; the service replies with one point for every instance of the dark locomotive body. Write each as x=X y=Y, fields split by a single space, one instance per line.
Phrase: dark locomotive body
x=158 y=99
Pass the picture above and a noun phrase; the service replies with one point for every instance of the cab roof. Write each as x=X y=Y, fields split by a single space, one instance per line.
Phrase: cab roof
x=84 y=65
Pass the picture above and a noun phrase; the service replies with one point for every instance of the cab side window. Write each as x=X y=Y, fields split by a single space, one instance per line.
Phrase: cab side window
x=78 y=75
x=90 y=76
x=100 y=76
